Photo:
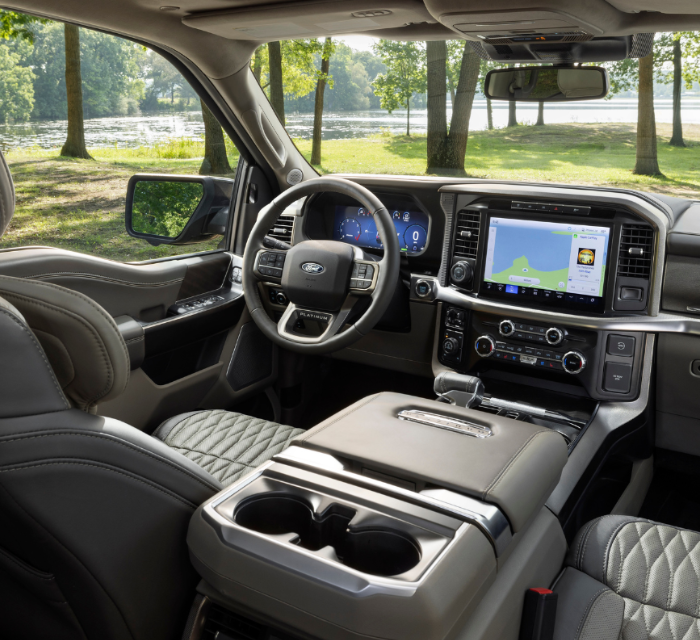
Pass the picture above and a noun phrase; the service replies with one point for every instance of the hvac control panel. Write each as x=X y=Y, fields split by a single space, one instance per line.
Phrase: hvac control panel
x=606 y=363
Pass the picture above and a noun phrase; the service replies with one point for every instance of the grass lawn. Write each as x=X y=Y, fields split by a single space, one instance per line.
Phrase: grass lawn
x=589 y=154
x=79 y=204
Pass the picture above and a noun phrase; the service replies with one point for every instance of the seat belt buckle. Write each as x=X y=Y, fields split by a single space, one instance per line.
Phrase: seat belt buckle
x=539 y=613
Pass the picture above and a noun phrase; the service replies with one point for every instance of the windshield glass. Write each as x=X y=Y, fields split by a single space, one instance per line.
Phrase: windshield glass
x=362 y=105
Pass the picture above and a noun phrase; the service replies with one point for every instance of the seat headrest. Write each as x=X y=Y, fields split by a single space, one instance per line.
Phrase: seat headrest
x=87 y=354
x=7 y=195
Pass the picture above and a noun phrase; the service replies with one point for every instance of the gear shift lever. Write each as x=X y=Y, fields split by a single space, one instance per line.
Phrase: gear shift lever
x=464 y=391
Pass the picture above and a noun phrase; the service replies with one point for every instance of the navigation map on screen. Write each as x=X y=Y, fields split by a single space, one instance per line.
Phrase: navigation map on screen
x=531 y=254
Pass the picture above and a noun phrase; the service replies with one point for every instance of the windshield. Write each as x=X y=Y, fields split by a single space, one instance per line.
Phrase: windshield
x=363 y=105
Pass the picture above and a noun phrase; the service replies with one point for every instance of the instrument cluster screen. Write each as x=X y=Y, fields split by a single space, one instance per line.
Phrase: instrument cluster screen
x=356 y=225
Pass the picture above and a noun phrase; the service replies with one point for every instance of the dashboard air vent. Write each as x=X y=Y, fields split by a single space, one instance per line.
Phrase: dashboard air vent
x=636 y=251
x=282 y=229
x=467 y=233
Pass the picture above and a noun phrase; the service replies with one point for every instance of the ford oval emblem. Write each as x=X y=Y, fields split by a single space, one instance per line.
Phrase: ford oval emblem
x=313 y=267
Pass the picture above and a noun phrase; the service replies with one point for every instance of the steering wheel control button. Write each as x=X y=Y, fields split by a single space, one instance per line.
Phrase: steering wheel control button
x=485 y=346
x=554 y=336
x=461 y=273
x=506 y=328
x=620 y=345
x=573 y=362
x=618 y=377
x=423 y=288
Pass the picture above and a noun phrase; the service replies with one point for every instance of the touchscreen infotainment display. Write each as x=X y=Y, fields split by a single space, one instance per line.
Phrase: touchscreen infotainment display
x=549 y=260
x=356 y=225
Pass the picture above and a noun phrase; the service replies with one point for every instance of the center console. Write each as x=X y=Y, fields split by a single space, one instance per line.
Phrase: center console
x=392 y=519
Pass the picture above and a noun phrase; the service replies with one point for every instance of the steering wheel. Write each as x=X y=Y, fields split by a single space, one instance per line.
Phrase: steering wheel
x=322 y=279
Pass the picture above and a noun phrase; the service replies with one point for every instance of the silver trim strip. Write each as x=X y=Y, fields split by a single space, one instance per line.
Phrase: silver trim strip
x=444 y=422
x=488 y=518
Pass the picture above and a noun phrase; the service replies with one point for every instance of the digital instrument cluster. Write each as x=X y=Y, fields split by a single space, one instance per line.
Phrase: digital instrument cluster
x=356 y=225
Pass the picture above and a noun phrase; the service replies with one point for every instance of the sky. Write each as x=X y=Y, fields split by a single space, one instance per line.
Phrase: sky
x=359 y=43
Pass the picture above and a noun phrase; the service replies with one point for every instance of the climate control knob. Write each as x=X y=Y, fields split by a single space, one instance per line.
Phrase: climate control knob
x=485 y=346
x=573 y=362
x=554 y=336
x=461 y=273
x=506 y=328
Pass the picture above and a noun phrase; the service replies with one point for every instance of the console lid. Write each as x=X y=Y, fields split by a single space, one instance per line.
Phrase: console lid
x=513 y=465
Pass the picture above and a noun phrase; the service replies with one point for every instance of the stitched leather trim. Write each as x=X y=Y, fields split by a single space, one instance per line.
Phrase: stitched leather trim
x=94 y=276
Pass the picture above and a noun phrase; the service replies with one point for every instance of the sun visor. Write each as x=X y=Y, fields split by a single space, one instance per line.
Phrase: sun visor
x=308 y=19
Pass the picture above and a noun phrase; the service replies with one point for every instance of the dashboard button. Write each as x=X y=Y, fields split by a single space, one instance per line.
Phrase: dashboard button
x=484 y=346
x=620 y=345
x=574 y=362
x=618 y=377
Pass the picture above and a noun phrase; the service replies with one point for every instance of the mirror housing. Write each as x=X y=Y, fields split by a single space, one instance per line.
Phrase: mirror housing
x=547 y=84
x=172 y=209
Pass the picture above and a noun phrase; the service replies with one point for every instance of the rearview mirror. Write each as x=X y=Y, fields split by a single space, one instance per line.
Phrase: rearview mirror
x=547 y=84
x=165 y=209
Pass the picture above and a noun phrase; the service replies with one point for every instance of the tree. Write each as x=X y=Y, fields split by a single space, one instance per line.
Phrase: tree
x=680 y=51
x=215 y=160
x=647 y=160
x=274 y=52
x=446 y=150
x=404 y=76
x=318 y=106
x=16 y=88
x=18 y=26
x=512 y=117
x=540 y=115
x=74 y=145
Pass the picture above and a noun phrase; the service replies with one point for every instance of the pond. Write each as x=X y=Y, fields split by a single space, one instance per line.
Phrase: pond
x=147 y=129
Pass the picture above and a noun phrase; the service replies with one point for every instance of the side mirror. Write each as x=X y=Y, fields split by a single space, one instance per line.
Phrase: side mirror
x=165 y=209
x=547 y=84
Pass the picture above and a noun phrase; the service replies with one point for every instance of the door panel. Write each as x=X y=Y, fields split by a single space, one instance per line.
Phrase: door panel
x=144 y=292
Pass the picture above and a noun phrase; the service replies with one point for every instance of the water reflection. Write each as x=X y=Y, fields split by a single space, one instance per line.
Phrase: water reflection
x=146 y=130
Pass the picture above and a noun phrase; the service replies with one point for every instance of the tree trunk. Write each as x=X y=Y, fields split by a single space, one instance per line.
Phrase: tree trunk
x=456 y=143
x=276 y=87
x=647 y=159
x=677 y=137
x=512 y=119
x=74 y=146
x=489 y=113
x=318 y=104
x=408 y=117
x=257 y=66
x=540 y=115
x=437 y=102
x=215 y=160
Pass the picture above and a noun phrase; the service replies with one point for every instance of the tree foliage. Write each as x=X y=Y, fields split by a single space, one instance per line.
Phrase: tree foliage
x=19 y=26
x=405 y=74
x=16 y=88
x=163 y=208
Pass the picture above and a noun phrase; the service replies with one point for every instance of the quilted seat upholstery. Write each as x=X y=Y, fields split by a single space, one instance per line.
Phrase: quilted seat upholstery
x=630 y=579
x=224 y=443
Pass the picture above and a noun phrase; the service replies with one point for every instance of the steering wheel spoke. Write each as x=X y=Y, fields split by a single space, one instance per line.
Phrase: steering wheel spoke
x=269 y=265
x=364 y=276
x=320 y=274
x=319 y=326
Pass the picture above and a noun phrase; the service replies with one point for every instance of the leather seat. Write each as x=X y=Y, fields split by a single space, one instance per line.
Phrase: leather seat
x=95 y=512
x=631 y=579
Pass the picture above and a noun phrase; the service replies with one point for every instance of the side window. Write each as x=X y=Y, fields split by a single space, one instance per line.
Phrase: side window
x=80 y=113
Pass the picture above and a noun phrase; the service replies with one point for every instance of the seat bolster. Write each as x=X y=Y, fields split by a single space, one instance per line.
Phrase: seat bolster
x=81 y=340
x=590 y=548
x=586 y=609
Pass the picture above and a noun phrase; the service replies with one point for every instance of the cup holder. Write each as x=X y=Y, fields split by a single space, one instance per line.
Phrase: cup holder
x=376 y=551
